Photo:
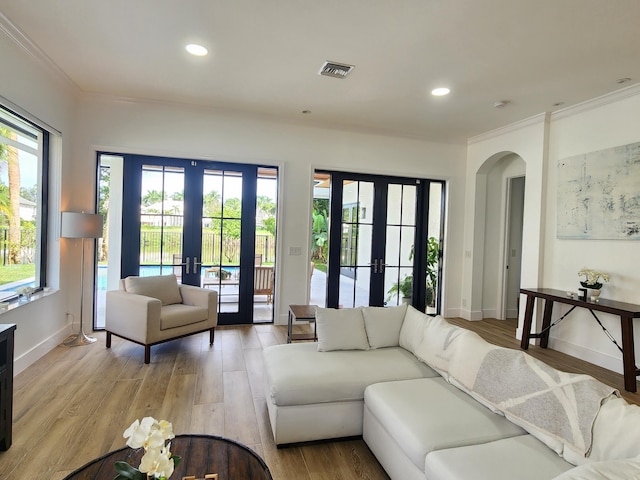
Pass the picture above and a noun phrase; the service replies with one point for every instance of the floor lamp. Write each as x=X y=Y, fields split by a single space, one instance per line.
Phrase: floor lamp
x=80 y=225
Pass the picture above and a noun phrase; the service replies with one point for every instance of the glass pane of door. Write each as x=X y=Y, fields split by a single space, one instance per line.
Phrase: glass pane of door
x=221 y=231
x=399 y=248
x=161 y=220
x=319 y=239
x=356 y=240
x=434 y=247
x=265 y=244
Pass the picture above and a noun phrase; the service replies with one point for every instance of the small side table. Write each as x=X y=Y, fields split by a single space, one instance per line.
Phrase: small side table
x=301 y=312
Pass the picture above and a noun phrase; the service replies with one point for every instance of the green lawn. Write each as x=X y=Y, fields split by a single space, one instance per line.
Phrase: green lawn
x=320 y=266
x=14 y=273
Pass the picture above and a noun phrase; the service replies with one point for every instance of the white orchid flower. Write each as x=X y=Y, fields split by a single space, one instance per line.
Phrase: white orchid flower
x=138 y=433
x=157 y=462
x=151 y=434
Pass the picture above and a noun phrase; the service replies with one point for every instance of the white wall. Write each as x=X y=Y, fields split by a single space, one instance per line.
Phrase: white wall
x=191 y=132
x=608 y=122
x=541 y=142
x=526 y=139
x=27 y=83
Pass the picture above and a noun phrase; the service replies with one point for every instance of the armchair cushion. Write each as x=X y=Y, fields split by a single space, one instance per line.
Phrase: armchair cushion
x=178 y=315
x=163 y=287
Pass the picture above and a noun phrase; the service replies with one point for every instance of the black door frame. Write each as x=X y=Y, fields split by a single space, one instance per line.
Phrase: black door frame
x=381 y=182
x=194 y=170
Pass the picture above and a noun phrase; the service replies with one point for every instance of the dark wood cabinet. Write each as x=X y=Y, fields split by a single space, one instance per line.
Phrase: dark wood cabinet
x=6 y=384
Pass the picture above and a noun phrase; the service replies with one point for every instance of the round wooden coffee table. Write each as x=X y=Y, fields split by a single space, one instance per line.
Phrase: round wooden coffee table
x=201 y=455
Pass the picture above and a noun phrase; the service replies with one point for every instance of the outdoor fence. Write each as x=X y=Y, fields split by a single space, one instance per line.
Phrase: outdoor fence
x=159 y=248
x=27 y=245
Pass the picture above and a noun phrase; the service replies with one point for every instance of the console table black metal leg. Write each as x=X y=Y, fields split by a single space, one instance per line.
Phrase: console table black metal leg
x=628 y=356
x=526 y=326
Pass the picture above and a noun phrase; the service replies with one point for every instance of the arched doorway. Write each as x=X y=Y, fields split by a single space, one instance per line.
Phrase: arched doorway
x=500 y=187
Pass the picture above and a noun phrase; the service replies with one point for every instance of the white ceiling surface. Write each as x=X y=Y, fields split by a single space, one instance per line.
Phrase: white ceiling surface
x=265 y=56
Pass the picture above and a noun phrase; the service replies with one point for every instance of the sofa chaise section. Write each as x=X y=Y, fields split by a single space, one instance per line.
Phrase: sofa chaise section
x=314 y=395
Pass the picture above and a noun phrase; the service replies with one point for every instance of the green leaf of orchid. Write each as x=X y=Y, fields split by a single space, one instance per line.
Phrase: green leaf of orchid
x=127 y=471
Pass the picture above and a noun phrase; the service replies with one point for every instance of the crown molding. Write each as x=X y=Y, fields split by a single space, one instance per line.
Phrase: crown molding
x=606 y=99
x=538 y=119
x=21 y=40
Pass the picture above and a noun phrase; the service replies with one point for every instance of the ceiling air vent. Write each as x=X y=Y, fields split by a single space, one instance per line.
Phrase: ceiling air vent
x=334 y=69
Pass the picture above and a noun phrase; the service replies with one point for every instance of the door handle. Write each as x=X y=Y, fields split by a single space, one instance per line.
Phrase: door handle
x=382 y=265
x=375 y=265
x=196 y=264
x=186 y=264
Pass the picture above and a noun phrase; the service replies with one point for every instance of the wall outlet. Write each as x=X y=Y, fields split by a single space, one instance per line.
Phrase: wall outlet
x=295 y=250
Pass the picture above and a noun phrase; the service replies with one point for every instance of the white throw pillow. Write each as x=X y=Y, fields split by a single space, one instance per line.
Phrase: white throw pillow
x=383 y=325
x=163 y=287
x=412 y=329
x=612 y=470
x=615 y=431
x=341 y=329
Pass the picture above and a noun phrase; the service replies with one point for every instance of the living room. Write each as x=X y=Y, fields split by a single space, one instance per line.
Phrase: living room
x=92 y=122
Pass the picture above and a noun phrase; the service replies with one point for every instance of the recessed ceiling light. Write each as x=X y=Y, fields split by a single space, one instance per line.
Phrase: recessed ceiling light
x=439 y=92
x=197 y=50
x=306 y=112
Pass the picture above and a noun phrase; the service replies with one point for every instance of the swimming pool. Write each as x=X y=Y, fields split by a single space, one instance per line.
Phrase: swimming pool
x=145 y=271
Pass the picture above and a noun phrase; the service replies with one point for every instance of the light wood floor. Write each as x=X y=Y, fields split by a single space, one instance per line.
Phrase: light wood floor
x=73 y=404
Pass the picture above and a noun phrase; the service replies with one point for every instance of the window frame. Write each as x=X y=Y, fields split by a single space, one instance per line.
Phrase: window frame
x=42 y=208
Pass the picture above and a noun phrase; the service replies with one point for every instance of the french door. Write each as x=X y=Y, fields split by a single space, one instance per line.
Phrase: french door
x=382 y=229
x=197 y=220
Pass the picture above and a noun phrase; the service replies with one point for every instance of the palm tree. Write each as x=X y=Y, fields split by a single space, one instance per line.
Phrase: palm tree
x=9 y=154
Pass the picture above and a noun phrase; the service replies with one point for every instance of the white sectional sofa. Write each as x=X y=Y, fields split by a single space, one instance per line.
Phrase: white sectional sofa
x=434 y=401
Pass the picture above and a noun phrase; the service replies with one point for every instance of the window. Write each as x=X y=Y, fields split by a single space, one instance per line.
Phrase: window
x=23 y=174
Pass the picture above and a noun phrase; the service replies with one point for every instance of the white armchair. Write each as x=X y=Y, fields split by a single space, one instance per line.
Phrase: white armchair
x=153 y=310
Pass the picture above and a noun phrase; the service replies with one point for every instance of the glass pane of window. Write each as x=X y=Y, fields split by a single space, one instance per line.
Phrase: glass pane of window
x=21 y=169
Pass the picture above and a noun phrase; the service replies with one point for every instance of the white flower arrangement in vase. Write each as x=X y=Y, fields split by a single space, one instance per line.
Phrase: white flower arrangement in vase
x=592 y=278
x=157 y=462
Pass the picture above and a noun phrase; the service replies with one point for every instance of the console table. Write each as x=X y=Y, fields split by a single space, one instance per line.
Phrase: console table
x=201 y=455
x=626 y=311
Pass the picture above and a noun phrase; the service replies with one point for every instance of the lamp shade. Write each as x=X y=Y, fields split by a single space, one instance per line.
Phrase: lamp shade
x=81 y=225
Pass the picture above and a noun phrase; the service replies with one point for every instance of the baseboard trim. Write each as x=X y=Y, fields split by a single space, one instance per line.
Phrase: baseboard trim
x=490 y=313
x=29 y=357
x=597 y=358
x=466 y=314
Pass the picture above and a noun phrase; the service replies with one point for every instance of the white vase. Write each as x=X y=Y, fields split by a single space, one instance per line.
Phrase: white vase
x=594 y=294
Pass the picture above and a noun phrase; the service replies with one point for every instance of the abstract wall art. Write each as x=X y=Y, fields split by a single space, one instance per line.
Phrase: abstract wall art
x=599 y=194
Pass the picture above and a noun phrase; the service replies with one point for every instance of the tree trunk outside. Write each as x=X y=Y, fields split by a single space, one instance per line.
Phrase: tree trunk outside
x=14 y=203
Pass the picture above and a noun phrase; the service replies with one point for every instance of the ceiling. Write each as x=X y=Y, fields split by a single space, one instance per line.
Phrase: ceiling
x=264 y=56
